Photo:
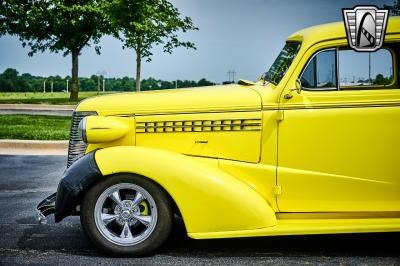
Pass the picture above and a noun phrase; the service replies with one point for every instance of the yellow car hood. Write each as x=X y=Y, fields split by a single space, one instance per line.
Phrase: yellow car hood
x=202 y=99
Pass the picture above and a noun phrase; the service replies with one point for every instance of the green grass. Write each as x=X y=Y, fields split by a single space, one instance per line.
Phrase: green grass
x=34 y=127
x=42 y=98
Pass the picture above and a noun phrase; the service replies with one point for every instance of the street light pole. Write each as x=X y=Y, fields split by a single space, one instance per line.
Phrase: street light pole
x=369 y=68
x=44 y=86
x=51 y=87
x=101 y=73
x=67 y=85
x=231 y=72
x=104 y=85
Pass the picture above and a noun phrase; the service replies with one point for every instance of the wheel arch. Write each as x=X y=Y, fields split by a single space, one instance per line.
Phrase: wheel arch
x=78 y=179
x=209 y=199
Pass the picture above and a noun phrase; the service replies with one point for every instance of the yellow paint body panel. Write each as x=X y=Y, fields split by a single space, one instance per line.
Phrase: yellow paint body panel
x=127 y=139
x=208 y=198
x=260 y=177
x=219 y=141
x=356 y=171
x=313 y=227
x=243 y=161
x=207 y=99
x=339 y=150
x=104 y=129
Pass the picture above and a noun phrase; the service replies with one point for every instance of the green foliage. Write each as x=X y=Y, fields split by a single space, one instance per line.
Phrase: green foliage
x=34 y=127
x=381 y=80
x=56 y=25
x=68 y=26
x=142 y=24
x=157 y=84
x=395 y=9
x=11 y=81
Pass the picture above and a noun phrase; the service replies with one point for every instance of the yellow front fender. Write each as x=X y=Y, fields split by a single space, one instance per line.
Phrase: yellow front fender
x=209 y=199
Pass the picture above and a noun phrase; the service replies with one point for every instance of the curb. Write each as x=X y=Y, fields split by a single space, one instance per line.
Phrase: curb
x=33 y=147
x=37 y=109
x=47 y=107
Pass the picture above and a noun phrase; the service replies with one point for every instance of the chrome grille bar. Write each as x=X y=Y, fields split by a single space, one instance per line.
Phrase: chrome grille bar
x=76 y=147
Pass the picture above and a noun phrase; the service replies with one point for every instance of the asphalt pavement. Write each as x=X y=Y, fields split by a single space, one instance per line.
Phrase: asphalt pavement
x=26 y=180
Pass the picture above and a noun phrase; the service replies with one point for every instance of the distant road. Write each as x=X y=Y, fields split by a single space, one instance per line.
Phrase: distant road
x=37 y=109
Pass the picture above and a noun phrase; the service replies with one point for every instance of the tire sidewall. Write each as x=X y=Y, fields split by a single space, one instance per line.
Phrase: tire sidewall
x=153 y=241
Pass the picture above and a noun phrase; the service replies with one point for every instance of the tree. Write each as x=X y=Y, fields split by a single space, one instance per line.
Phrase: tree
x=65 y=26
x=381 y=80
x=12 y=81
x=88 y=84
x=204 y=82
x=143 y=24
x=394 y=9
x=9 y=80
x=10 y=73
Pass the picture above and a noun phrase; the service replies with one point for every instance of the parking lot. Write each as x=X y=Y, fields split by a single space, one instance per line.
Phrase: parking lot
x=25 y=180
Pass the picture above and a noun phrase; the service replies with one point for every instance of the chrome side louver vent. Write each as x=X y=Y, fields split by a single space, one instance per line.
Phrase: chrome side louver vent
x=199 y=126
x=76 y=147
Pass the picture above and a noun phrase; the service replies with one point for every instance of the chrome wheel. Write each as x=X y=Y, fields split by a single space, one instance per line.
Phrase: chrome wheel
x=125 y=214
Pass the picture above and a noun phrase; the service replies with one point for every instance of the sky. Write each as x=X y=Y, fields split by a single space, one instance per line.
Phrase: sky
x=240 y=35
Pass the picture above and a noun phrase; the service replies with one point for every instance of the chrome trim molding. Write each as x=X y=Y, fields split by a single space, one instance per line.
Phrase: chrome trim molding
x=336 y=70
x=82 y=129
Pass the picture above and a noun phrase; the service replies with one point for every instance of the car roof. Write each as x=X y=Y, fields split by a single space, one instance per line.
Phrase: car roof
x=335 y=30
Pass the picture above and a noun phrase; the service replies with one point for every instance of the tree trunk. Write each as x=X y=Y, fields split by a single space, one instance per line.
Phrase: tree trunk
x=74 y=77
x=138 y=62
x=138 y=65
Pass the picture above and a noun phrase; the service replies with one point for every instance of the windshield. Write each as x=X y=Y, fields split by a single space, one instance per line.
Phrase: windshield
x=282 y=62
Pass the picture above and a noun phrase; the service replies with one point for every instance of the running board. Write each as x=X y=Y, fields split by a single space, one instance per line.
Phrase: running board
x=311 y=227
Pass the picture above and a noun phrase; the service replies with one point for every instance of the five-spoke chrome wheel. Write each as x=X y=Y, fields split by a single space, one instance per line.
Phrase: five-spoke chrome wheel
x=125 y=214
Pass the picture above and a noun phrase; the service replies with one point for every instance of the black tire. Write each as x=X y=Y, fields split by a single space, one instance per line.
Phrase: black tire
x=154 y=240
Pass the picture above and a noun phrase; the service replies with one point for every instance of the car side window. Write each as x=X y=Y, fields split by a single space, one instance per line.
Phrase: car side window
x=365 y=70
x=320 y=72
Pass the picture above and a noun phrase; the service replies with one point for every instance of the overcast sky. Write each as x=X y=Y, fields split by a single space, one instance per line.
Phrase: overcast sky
x=240 y=35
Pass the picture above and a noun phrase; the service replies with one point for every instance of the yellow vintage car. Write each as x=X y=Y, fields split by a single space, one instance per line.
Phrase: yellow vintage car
x=312 y=147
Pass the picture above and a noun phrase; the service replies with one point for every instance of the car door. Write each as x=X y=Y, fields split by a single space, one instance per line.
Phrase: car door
x=339 y=141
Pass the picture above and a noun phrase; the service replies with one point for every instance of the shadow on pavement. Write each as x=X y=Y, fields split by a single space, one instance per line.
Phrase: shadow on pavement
x=70 y=239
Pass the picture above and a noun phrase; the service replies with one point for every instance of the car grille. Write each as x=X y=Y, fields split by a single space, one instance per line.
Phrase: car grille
x=76 y=147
